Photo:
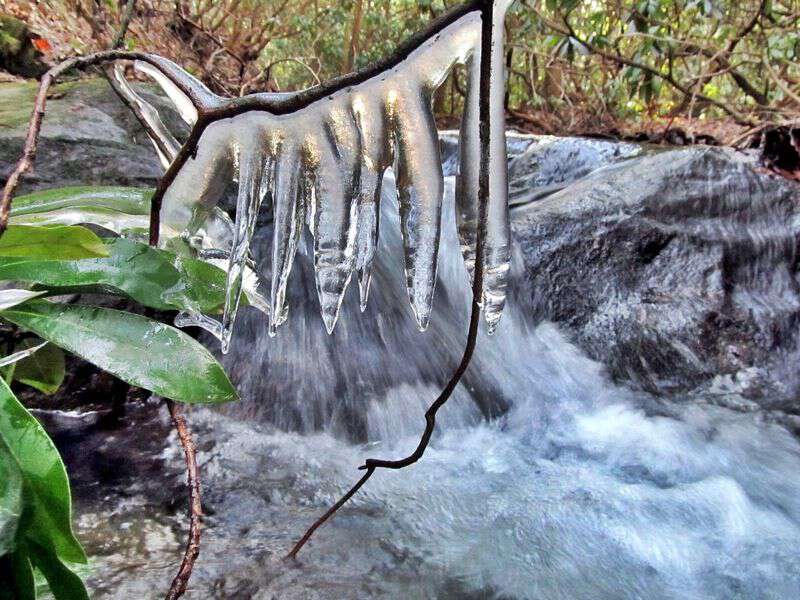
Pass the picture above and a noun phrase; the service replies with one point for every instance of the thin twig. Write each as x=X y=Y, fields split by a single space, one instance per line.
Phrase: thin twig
x=181 y=580
x=310 y=531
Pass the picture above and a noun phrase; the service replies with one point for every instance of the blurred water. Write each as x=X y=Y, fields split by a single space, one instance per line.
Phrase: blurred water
x=575 y=487
x=582 y=489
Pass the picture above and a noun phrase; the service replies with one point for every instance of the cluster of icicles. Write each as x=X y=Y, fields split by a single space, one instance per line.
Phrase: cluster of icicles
x=322 y=167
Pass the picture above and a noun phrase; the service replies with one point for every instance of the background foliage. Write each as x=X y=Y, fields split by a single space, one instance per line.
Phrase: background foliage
x=576 y=66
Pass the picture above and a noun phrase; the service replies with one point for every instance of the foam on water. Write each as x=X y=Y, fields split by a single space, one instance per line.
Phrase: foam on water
x=580 y=491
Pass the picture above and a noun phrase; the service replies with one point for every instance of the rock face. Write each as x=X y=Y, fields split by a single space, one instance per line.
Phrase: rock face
x=88 y=137
x=677 y=269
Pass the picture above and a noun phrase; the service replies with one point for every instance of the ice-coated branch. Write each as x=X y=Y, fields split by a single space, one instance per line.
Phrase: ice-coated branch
x=490 y=176
x=333 y=143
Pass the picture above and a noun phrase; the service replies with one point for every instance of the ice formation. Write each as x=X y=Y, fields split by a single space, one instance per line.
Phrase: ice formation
x=322 y=167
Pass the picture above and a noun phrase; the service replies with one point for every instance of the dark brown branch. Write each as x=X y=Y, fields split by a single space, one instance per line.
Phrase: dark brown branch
x=181 y=580
x=371 y=464
x=310 y=531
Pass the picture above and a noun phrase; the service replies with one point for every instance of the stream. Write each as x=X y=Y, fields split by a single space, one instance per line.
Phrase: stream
x=546 y=479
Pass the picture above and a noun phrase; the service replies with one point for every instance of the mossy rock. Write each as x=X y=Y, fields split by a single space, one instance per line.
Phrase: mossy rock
x=18 y=55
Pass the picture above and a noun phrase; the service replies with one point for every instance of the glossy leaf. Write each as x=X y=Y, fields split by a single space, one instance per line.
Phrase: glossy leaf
x=118 y=209
x=128 y=200
x=50 y=520
x=143 y=352
x=17 y=356
x=64 y=584
x=42 y=370
x=10 y=499
x=52 y=241
x=152 y=277
x=16 y=574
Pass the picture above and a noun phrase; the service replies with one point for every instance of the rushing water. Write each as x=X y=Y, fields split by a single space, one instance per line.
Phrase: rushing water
x=581 y=488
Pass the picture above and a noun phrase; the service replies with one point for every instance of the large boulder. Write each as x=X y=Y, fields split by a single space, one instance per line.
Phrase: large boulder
x=677 y=269
x=88 y=136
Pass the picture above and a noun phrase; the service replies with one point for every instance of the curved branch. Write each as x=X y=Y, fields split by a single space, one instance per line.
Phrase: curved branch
x=372 y=464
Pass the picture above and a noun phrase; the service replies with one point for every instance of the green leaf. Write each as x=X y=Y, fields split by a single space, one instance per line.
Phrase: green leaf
x=10 y=499
x=143 y=352
x=46 y=484
x=152 y=277
x=64 y=583
x=118 y=209
x=43 y=370
x=124 y=210
x=54 y=242
x=128 y=200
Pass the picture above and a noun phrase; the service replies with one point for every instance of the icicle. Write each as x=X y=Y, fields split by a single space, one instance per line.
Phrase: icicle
x=164 y=142
x=192 y=319
x=497 y=255
x=376 y=156
x=183 y=101
x=420 y=186
x=190 y=201
x=288 y=215
x=336 y=180
x=469 y=151
x=247 y=205
x=328 y=169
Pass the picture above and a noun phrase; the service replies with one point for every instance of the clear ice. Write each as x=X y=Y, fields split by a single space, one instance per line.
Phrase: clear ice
x=322 y=167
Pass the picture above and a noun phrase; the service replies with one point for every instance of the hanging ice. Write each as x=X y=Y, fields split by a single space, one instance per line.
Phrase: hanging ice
x=322 y=166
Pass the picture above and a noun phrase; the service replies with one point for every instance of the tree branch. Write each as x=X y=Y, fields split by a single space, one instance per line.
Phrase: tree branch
x=371 y=464
x=181 y=580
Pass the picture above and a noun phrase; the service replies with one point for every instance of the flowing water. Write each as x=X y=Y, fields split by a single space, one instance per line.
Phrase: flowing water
x=576 y=487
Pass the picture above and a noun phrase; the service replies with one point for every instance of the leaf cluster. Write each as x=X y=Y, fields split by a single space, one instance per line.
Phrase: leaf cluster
x=45 y=258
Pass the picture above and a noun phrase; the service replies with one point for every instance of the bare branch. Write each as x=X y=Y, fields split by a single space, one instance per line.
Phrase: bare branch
x=181 y=580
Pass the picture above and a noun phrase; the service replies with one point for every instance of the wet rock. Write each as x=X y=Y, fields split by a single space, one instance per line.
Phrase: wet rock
x=677 y=269
x=88 y=136
x=674 y=268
